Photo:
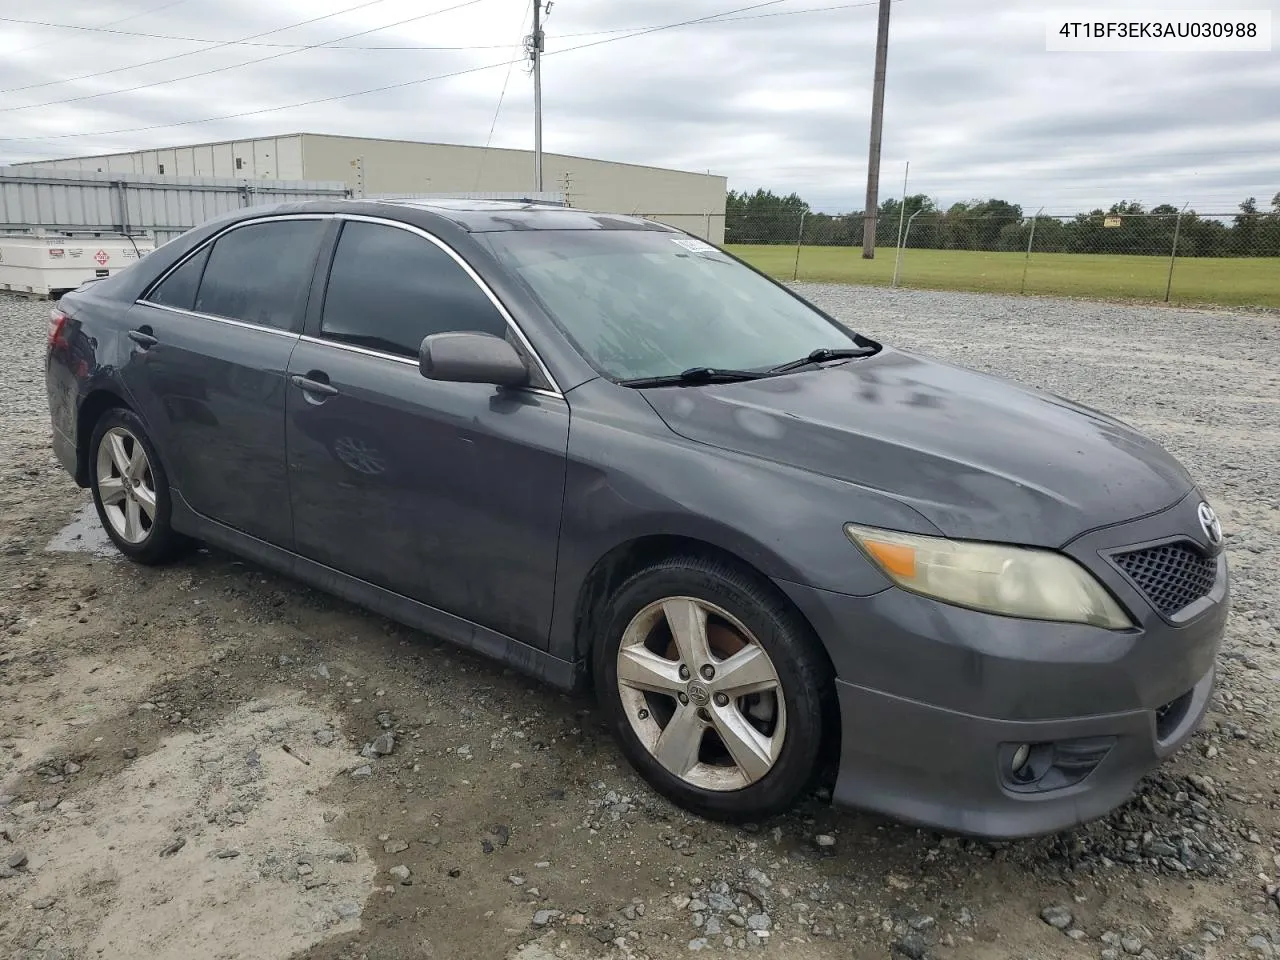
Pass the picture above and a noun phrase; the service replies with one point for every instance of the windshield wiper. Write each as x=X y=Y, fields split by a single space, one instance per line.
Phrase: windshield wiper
x=696 y=375
x=822 y=355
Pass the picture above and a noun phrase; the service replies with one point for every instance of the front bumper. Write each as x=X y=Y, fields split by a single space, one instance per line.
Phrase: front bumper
x=942 y=768
x=935 y=699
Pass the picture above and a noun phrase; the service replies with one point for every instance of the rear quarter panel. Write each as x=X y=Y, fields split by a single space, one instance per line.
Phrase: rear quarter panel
x=85 y=364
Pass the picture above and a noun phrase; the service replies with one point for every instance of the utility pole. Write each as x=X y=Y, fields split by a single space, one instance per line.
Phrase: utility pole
x=872 y=208
x=536 y=46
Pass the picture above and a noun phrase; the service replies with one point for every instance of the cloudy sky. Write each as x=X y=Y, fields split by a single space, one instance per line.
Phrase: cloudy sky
x=770 y=94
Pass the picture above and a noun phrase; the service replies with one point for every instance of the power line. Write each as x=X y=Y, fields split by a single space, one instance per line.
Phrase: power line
x=190 y=53
x=332 y=44
x=644 y=31
x=252 y=113
x=788 y=13
x=722 y=18
x=497 y=110
x=328 y=44
x=109 y=23
x=234 y=66
x=382 y=89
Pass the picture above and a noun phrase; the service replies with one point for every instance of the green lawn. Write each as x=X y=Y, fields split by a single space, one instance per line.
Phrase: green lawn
x=1227 y=281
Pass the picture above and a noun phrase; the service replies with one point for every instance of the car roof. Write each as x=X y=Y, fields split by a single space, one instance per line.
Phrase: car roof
x=438 y=216
x=487 y=216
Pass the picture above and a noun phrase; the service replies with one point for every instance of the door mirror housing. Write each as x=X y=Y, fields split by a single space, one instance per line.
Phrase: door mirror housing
x=472 y=358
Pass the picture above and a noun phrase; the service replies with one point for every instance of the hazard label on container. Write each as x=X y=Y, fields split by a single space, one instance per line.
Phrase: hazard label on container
x=102 y=257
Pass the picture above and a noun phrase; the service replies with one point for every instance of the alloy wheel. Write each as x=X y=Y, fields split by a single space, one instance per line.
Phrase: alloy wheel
x=701 y=694
x=126 y=485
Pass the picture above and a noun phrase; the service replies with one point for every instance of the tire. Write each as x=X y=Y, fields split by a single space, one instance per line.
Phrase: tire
x=791 y=721
x=131 y=495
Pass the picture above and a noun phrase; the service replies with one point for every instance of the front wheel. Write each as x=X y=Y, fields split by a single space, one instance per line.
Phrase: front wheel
x=131 y=490
x=716 y=690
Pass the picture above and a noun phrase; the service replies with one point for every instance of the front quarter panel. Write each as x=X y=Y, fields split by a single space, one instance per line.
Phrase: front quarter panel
x=629 y=477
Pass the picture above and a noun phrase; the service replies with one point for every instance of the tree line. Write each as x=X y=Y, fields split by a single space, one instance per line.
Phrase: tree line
x=1127 y=227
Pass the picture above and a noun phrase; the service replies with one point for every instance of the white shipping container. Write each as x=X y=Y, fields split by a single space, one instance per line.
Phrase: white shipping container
x=53 y=264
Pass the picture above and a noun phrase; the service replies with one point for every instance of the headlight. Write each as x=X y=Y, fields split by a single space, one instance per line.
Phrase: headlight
x=1012 y=581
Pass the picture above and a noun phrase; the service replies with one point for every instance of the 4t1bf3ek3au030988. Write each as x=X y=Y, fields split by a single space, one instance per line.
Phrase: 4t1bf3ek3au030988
x=606 y=452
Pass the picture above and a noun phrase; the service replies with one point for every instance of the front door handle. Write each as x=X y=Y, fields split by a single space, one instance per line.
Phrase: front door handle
x=143 y=338
x=315 y=387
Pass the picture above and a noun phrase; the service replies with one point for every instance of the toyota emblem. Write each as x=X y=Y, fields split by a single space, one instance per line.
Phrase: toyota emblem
x=1210 y=524
x=699 y=695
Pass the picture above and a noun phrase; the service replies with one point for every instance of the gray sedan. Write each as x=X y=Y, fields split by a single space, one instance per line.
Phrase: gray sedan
x=610 y=454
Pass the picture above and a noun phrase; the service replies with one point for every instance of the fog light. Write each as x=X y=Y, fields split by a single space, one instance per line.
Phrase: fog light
x=1020 y=757
x=1042 y=767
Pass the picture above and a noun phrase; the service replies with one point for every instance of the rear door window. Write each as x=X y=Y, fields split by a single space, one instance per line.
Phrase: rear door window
x=389 y=288
x=261 y=273
x=179 y=288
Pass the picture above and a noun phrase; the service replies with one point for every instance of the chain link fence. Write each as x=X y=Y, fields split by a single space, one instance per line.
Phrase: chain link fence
x=1168 y=255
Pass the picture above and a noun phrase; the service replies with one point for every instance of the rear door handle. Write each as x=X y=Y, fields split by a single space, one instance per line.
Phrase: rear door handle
x=143 y=338
x=315 y=387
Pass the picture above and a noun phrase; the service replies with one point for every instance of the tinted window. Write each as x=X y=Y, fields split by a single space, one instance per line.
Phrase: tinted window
x=261 y=273
x=390 y=288
x=179 y=288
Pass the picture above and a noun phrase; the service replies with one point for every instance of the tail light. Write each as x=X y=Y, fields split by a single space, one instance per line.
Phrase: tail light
x=57 y=328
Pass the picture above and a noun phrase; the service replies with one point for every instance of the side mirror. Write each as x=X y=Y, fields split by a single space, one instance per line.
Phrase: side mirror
x=472 y=358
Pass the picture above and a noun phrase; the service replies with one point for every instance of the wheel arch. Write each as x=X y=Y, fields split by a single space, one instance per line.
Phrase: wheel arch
x=92 y=408
x=623 y=560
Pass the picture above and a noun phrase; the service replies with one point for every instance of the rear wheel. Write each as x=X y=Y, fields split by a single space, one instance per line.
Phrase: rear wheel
x=715 y=689
x=131 y=490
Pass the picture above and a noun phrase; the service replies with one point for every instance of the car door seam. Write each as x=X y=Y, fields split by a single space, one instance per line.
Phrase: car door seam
x=288 y=459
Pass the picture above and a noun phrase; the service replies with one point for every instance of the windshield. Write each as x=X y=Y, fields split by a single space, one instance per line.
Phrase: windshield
x=642 y=304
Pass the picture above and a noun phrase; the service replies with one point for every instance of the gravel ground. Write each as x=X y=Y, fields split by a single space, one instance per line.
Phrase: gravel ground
x=208 y=761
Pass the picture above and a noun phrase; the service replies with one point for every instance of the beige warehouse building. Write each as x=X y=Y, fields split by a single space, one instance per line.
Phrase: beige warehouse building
x=373 y=167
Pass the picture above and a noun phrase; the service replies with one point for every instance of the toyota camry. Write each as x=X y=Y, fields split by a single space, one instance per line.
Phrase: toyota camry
x=611 y=454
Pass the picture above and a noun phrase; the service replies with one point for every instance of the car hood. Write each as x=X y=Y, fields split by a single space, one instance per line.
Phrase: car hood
x=979 y=456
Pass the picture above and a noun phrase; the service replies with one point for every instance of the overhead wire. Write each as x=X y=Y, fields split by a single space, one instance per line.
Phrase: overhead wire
x=498 y=110
x=333 y=44
x=380 y=89
x=233 y=66
x=253 y=113
x=190 y=53
x=710 y=18
x=109 y=23
x=729 y=19
x=738 y=14
x=328 y=45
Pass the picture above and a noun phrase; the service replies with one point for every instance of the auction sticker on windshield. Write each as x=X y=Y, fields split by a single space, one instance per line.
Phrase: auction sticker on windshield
x=694 y=244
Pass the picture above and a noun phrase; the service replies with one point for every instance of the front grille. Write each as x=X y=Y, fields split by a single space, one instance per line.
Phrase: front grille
x=1171 y=576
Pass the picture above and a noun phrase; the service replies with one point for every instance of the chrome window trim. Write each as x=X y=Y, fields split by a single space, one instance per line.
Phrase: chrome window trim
x=381 y=355
x=476 y=279
x=555 y=390
x=254 y=221
x=290 y=334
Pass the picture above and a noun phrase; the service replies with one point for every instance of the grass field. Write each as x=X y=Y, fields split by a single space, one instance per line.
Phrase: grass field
x=1251 y=282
